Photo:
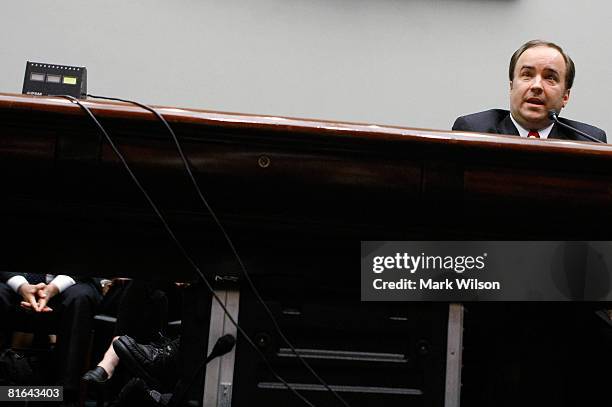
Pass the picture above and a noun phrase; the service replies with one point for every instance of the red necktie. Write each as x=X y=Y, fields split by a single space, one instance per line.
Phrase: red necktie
x=534 y=134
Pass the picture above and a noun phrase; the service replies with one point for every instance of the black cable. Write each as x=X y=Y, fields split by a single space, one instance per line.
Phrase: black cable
x=229 y=242
x=181 y=248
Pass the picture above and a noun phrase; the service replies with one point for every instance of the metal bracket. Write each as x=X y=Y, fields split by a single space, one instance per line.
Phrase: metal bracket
x=454 y=348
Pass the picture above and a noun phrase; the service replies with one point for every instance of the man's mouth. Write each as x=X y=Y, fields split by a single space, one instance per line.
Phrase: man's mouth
x=535 y=101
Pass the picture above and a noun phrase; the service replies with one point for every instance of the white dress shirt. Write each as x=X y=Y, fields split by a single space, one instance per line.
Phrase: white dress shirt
x=523 y=131
x=61 y=281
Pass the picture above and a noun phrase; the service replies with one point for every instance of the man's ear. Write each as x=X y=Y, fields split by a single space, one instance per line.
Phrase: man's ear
x=566 y=97
x=510 y=85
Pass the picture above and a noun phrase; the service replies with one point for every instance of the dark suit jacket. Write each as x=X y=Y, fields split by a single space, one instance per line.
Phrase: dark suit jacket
x=498 y=121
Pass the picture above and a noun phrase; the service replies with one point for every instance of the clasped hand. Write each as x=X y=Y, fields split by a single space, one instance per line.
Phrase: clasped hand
x=36 y=297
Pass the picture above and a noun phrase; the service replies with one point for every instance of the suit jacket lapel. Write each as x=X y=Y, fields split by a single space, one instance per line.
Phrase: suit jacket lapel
x=558 y=133
x=506 y=126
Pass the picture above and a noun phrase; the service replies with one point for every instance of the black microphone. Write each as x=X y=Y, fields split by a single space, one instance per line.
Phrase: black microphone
x=223 y=345
x=552 y=115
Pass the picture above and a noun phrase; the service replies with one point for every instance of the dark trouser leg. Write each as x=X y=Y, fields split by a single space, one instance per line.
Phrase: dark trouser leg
x=8 y=299
x=143 y=312
x=76 y=305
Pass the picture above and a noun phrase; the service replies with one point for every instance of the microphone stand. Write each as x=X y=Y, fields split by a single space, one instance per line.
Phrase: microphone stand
x=223 y=345
x=552 y=115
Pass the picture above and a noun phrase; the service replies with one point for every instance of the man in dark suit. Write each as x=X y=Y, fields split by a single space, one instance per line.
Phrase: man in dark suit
x=533 y=353
x=541 y=76
x=72 y=303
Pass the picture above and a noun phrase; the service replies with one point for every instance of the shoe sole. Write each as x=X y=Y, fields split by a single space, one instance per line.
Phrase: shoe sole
x=131 y=362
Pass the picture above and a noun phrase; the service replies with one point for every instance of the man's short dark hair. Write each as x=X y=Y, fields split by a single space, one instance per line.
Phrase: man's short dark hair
x=569 y=64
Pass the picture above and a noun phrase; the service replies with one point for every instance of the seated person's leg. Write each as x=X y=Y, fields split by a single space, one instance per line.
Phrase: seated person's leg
x=111 y=304
x=8 y=299
x=142 y=313
x=77 y=305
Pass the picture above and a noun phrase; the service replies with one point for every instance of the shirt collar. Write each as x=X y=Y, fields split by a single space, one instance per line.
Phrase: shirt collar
x=523 y=131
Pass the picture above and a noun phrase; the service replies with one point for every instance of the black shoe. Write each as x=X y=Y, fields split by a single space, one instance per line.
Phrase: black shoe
x=96 y=375
x=155 y=363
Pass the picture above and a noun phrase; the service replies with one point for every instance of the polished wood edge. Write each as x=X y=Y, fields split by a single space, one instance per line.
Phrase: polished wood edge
x=208 y=118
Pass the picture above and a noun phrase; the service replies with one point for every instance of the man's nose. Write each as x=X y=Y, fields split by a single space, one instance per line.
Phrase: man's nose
x=536 y=84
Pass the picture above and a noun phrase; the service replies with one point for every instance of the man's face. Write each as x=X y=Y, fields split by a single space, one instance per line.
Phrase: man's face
x=538 y=86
